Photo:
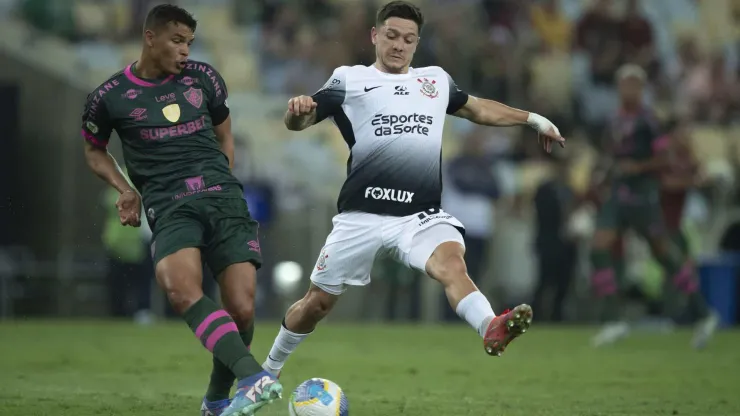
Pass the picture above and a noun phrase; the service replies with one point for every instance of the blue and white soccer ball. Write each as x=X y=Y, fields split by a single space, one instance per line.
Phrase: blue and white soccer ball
x=318 y=397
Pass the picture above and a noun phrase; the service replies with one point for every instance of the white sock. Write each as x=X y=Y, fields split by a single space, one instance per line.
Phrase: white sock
x=476 y=309
x=285 y=343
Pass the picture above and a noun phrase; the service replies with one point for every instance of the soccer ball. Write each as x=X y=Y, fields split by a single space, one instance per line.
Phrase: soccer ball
x=318 y=397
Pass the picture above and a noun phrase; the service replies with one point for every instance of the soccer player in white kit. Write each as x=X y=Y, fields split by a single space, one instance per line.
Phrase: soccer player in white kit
x=391 y=116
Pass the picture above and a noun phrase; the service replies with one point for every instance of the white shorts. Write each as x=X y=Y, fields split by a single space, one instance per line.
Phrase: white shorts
x=358 y=238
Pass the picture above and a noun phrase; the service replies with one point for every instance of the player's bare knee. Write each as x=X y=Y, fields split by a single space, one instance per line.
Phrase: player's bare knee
x=243 y=314
x=237 y=283
x=182 y=287
x=181 y=293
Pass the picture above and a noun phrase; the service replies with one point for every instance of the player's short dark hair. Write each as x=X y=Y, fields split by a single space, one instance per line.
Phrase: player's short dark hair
x=401 y=10
x=163 y=14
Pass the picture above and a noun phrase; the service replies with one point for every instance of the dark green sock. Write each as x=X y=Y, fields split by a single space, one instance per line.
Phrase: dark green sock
x=218 y=333
x=219 y=388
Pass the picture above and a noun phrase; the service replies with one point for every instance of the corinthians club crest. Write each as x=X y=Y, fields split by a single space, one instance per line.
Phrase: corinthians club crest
x=428 y=88
x=321 y=264
x=194 y=96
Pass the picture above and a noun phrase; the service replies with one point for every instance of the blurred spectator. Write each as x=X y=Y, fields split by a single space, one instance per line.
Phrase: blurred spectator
x=598 y=34
x=636 y=33
x=554 y=245
x=469 y=192
x=551 y=25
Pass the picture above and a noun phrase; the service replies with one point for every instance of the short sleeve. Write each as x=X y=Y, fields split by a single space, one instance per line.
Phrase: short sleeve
x=330 y=97
x=215 y=88
x=217 y=94
x=96 y=122
x=458 y=97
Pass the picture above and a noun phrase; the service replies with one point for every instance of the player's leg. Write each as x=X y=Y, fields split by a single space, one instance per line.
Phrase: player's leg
x=233 y=253
x=439 y=251
x=180 y=275
x=346 y=259
x=679 y=269
x=604 y=277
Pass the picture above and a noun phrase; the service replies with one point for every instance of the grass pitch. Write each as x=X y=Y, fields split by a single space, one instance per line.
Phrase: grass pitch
x=102 y=368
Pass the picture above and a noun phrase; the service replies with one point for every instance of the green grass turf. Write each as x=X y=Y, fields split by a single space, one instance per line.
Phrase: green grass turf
x=82 y=368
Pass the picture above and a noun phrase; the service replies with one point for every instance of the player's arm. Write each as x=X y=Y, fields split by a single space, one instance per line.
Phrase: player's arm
x=305 y=111
x=493 y=113
x=96 y=130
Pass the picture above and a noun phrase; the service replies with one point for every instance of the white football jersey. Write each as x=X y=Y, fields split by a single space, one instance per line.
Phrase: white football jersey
x=393 y=126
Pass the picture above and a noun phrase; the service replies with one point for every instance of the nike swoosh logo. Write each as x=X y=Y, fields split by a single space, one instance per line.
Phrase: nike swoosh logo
x=370 y=89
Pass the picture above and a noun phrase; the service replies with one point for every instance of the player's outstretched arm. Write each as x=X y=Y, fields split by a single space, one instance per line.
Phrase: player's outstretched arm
x=301 y=113
x=493 y=113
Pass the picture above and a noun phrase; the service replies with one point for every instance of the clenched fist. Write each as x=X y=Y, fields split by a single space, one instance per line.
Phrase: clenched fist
x=302 y=105
x=129 y=207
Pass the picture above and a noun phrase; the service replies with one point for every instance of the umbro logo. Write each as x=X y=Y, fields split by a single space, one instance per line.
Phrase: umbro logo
x=372 y=88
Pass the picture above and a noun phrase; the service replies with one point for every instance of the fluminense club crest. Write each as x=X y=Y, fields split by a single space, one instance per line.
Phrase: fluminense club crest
x=428 y=88
x=194 y=96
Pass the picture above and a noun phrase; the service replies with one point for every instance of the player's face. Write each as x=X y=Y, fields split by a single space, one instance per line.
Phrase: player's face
x=630 y=90
x=170 y=46
x=395 y=43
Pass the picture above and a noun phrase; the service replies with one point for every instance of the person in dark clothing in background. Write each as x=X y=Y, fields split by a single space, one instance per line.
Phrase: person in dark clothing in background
x=469 y=191
x=555 y=248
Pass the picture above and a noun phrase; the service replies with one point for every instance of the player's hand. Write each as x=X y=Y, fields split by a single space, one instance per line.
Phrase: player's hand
x=129 y=208
x=547 y=133
x=302 y=105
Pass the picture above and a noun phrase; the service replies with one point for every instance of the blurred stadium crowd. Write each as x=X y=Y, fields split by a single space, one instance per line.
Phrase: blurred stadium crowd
x=554 y=57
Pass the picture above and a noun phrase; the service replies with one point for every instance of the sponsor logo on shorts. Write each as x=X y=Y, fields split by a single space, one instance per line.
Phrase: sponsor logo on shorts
x=196 y=185
x=387 y=194
x=432 y=214
x=321 y=264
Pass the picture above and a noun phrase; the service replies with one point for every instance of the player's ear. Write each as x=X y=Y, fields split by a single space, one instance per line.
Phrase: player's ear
x=374 y=35
x=149 y=37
